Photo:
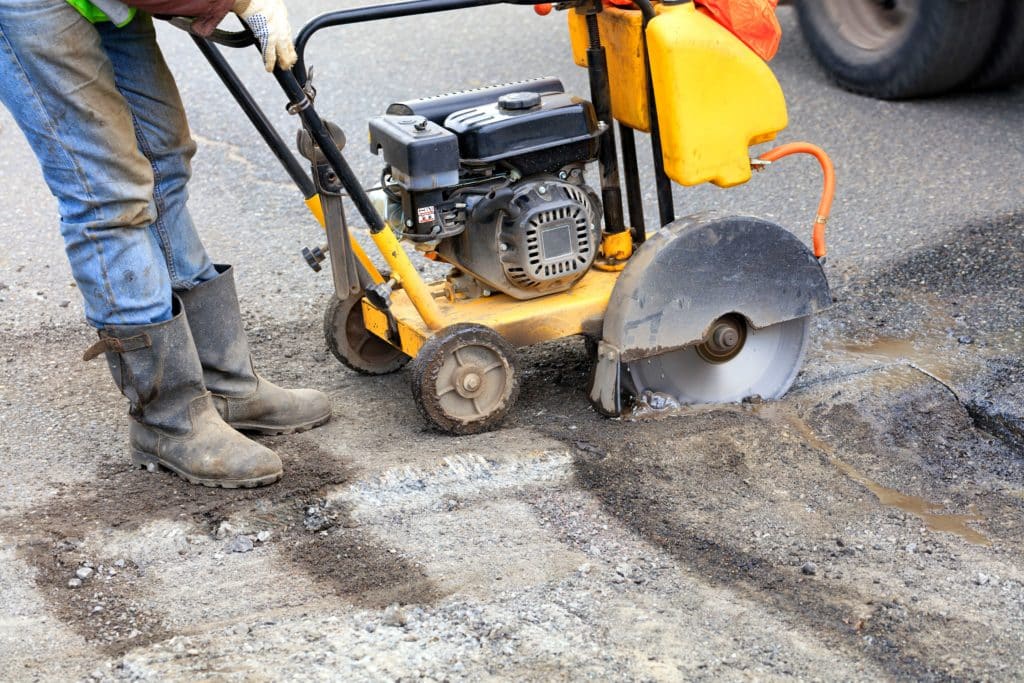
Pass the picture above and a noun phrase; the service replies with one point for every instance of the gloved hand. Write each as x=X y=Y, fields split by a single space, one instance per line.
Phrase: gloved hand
x=268 y=20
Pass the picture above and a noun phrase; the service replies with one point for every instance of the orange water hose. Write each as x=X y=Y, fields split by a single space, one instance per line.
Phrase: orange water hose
x=827 y=194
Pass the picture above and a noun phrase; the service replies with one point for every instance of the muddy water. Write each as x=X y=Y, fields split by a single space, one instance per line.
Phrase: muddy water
x=929 y=512
x=893 y=350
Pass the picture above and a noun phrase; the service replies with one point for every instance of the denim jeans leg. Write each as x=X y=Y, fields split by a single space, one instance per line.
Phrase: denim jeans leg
x=58 y=83
x=162 y=130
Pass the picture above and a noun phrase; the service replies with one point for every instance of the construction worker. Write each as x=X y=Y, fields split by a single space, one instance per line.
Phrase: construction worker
x=90 y=89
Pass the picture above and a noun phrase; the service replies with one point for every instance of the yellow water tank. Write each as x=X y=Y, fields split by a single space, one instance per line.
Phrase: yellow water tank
x=715 y=97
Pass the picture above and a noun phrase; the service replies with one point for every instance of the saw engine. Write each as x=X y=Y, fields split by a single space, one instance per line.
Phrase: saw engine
x=492 y=181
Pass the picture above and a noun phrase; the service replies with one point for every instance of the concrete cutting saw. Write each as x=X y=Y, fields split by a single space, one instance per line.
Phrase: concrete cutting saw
x=517 y=189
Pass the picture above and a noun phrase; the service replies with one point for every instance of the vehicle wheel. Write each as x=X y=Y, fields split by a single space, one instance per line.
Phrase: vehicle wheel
x=734 y=363
x=1004 y=64
x=464 y=379
x=355 y=346
x=896 y=49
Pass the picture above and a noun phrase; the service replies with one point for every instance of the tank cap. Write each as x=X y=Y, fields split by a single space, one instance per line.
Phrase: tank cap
x=517 y=101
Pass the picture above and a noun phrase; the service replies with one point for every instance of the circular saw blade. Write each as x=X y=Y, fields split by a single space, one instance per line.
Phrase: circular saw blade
x=766 y=366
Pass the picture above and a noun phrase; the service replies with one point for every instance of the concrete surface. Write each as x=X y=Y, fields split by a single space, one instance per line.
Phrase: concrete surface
x=867 y=526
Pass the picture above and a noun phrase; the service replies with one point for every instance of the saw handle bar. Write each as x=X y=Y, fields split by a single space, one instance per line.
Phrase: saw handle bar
x=407 y=8
x=827 y=193
x=236 y=39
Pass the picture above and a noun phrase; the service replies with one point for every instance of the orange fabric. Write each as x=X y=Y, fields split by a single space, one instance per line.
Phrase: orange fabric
x=752 y=21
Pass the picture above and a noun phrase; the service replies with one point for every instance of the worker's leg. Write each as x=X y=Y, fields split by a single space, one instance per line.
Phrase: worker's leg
x=244 y=399
x=162 y=130
x=56 y=80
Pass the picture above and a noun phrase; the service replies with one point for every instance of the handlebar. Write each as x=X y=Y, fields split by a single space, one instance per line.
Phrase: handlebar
x=354 y=15
x=220 y=37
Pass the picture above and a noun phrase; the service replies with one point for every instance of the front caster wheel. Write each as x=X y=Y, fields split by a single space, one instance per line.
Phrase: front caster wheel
x=355 y=346
x=464 y=379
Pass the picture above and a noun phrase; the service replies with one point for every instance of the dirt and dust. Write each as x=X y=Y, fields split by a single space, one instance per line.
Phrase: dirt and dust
x=801 y=503
x=107 y=605
x=866 y=526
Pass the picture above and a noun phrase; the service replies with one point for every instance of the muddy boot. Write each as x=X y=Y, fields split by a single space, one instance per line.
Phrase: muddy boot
x=174 y=422
x=245 y=400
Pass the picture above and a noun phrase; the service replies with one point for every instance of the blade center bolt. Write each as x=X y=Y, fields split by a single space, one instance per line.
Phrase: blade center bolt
x=726 y=337
x=725 y=341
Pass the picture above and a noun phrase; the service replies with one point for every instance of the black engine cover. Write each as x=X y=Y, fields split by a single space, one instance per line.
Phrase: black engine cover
x=534 y=132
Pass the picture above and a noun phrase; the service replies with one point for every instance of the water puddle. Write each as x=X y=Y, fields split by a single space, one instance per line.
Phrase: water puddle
x=928 y=512
x=938 y=364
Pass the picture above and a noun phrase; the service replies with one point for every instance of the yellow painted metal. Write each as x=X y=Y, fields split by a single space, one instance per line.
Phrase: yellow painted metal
x=579 y=310
x=375 y=320
x=622 y=38
x=405 y=272
x=316 y=208
x=410 y=340
x=616 y=248
x=715 y=97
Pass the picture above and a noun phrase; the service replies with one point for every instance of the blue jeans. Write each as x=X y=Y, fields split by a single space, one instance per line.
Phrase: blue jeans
x=102 y=113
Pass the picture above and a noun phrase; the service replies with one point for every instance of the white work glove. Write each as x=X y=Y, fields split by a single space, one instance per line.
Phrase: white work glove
x=268 y=20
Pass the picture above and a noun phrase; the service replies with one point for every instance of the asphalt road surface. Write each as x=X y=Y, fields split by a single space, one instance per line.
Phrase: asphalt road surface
x=867 y=526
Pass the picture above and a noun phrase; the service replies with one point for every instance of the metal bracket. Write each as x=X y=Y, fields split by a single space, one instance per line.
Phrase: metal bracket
x=307 y=102
x=344 y=267
x=606 y=381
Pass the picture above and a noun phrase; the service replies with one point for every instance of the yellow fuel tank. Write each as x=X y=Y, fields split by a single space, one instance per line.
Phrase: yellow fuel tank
x=715 y=96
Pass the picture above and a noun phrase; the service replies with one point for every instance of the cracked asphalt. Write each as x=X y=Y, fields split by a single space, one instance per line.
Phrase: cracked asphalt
x=866 y=527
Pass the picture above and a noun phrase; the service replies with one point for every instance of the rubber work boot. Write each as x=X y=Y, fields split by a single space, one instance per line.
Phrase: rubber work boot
x=244 y=399
x=174 y=422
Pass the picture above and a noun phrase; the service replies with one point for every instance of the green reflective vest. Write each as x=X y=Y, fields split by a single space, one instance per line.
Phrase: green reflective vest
x=116 y=12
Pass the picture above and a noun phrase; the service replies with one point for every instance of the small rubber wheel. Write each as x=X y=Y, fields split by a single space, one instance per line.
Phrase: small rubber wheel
x=355 y=346
x=464 y=379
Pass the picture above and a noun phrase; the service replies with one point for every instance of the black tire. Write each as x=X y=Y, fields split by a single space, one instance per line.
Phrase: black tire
x=896 y=49
x=1004 y=64
x=459 y=408
x=352 y=344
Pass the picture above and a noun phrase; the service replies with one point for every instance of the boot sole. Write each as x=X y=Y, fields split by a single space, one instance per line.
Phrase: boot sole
x=279 y=430
x=152 y=463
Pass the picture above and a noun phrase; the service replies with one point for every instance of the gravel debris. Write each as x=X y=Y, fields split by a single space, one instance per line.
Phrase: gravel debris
x=224 y=529
x=318 y=518
x=394 y=615
x=239 y=544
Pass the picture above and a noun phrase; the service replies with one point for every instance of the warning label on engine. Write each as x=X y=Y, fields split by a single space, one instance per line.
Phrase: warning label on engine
x=426 y=214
